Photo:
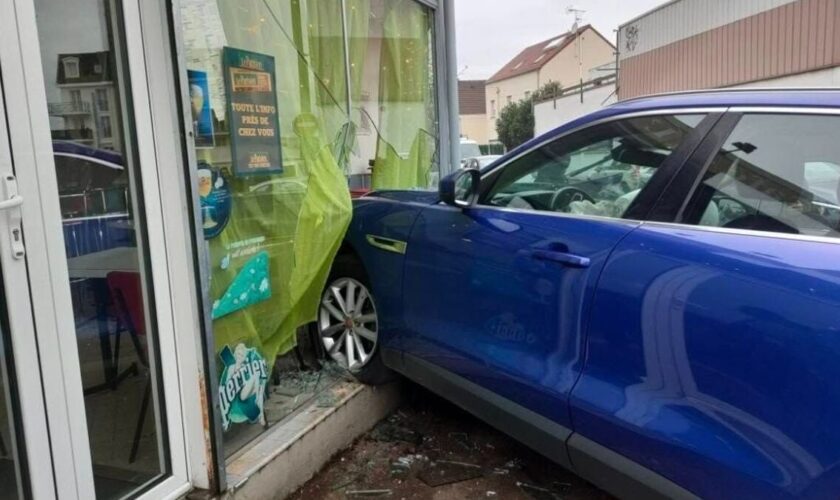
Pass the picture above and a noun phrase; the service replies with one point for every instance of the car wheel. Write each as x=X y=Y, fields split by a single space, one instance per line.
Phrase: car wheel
x=348 y=323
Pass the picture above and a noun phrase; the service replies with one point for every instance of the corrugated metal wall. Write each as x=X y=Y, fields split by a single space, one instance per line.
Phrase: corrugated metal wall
x=682 y=19
x=799 y=36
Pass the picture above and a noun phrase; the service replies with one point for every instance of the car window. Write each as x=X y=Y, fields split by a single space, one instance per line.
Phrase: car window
x=598 y=171
x=778 y=173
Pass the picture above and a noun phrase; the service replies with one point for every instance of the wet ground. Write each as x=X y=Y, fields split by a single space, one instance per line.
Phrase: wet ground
x=430 y=449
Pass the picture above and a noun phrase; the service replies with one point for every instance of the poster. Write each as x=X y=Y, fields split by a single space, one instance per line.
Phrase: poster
x=215 y=198
x=252 y=112
x=202 y=115
x=242 y=385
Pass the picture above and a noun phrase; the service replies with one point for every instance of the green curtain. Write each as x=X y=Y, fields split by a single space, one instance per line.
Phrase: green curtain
x=299 y=217
x=406 y=142
x=358 y=26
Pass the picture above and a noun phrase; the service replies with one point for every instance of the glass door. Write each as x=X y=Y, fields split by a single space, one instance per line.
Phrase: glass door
x=23 y=423
x=104 y=320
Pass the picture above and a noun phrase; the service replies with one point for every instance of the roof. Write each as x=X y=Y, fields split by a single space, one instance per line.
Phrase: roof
x=471 y=99
x=821 y=98
x=536 y=56
x=93 y=68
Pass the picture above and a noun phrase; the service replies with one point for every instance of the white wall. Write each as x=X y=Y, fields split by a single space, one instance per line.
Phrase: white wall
x=829 y=77
x=551 y=114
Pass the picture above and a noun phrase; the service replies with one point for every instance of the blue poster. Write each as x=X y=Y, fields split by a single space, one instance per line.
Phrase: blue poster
x=252 y=112
x=214 y=194
x=202 y=115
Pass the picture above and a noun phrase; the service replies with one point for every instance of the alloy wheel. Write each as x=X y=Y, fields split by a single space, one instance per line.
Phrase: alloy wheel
x=347 y=323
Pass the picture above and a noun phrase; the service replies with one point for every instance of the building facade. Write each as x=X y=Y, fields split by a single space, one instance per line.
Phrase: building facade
x=175 y=180
x=697 y=44
x=472 y=109
x=552 y=60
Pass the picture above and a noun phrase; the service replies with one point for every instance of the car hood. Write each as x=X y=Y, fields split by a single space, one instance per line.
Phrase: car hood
x=408 y=196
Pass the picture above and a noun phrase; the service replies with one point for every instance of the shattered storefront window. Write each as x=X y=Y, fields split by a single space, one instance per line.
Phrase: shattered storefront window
x=294 y=103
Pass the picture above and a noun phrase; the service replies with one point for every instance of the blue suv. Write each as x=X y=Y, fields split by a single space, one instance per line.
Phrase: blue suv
x=648 y=295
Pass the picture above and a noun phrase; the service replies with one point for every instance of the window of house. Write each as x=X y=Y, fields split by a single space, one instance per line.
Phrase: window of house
x=493 y=108
x=76 y=96
x=598 y=171
x=509 y=99
x=102 y=103
x=71 y=67
x=105 y=131
x=777 y=173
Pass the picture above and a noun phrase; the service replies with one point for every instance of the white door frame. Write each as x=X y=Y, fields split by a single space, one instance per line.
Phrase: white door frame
x=39 y=481
x=51 y=303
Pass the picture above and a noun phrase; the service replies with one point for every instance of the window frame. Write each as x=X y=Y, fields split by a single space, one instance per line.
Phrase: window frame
x=644 y=203
x=68 y=63
x=676 y=202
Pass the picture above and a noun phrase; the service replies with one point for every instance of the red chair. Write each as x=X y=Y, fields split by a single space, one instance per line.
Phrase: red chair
x=127 y=298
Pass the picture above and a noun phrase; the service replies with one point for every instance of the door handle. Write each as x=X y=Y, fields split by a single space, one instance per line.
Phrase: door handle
x=386 y=244
x=565 y=258
x=12 y=203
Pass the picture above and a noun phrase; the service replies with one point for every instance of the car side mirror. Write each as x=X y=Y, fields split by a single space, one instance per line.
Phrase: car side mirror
x=460 y=189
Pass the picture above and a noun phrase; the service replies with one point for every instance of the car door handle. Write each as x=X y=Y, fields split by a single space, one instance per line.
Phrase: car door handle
x=565 y=258
x=386 y=244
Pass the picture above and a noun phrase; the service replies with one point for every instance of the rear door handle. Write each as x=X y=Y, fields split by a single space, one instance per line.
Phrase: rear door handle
x=565 y=258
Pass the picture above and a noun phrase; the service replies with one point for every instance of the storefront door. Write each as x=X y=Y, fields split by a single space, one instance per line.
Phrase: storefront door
x=90 y=400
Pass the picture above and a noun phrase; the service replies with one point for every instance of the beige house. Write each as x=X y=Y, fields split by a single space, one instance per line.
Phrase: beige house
x=552 y=60
x=472 y=107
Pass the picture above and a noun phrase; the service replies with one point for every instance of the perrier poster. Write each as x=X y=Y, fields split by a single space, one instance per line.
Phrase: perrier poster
x=252 y=112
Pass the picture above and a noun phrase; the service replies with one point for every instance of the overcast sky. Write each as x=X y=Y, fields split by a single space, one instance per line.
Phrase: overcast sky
x=490 y=32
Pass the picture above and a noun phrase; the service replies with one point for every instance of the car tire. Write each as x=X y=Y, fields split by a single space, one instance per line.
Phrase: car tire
x=340 y=322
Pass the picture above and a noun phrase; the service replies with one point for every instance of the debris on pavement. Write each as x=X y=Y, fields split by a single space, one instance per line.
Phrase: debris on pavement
x=448 y=472
x=537 y=492
x=390 y=431
x=368 y=493
x=431 y=450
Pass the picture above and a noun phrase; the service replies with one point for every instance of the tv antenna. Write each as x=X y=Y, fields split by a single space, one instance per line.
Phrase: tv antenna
x=578 y=13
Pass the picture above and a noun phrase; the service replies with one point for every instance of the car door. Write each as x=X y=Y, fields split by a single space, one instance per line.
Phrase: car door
x=713 y=348
x=497 y=296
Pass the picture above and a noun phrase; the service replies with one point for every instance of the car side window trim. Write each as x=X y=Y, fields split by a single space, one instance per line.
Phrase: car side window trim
x=637 y=209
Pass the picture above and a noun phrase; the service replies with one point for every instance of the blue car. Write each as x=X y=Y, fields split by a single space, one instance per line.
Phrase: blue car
x=648 y=295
